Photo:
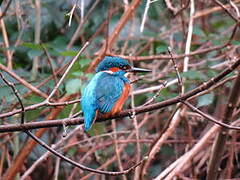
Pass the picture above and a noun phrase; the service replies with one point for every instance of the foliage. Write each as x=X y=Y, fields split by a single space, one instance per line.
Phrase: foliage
x=109 y=140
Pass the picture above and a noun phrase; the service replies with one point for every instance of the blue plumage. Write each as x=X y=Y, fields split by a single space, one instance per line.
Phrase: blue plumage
x=103 y=90
x=108 y=89
x=110 y=62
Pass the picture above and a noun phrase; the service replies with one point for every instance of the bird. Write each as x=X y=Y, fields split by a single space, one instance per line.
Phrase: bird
x=108 y=90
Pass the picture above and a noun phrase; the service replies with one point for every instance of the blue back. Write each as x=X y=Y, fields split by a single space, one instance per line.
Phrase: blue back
x=101 y=94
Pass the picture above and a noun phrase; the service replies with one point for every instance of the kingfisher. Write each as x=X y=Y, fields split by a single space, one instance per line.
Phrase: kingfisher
x=108 y=90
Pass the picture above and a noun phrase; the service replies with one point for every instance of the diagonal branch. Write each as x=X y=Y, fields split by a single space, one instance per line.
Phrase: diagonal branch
x=124 y=19
x=78 y=164
x=22 y=81
x=221 y=138
x=39 y=141
x=125 y=113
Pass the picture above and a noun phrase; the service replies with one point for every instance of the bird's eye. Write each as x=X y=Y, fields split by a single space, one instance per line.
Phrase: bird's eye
x=124 y=67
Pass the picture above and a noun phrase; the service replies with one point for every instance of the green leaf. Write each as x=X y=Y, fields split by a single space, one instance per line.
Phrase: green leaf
x=72 y=151
x=211 y=73
x=97 y=129
x=162 y=48
x=33 y=99
x=235 y=42
x=34 y=53
x=68 y=53
x=73 y=86
x=217 y=42
x=32 y=46
x=1 y=61
x=193 y=75
x=219 y=24
x=84 y=62
x=205 y=100
x=198 y=31
x=78 y=73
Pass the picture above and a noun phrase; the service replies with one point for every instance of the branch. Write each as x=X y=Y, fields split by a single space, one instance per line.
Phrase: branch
x=124 y=19
x=47 y=101
x=220 y=141
x=67 y=70
x=11 y=85
x=39 y=141
x=79 y=28
x=210 y=118
x=197 y=52
x=6 y=43
x=37 y=35
x=5 y=10
x=23 y=82
x=138 y=110
x=80 y=165
x=227 y=11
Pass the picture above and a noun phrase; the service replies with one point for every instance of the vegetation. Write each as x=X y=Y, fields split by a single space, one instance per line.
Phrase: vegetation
x=184 y=115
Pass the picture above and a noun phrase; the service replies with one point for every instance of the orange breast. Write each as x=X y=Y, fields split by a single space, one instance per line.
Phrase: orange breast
x=119 y=104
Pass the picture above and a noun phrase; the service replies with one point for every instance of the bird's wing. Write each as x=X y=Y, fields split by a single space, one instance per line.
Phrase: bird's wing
x=108 y=90
x=89 y=102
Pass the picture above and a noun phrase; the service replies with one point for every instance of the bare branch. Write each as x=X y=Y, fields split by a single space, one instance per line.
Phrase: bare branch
x=138 y=110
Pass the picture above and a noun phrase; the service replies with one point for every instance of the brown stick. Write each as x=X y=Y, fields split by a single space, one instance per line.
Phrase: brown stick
x=138 y=110
x=124 y=19
x=28 y=147
x=22 y=81
x=220 y=141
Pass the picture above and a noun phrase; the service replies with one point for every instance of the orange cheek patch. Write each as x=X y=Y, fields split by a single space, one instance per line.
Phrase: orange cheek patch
x=114 y=69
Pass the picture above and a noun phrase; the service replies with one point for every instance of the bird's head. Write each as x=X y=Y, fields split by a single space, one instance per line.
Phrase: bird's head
x=117 y=64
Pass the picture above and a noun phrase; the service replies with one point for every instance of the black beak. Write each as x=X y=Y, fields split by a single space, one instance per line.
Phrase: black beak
x=134 y=69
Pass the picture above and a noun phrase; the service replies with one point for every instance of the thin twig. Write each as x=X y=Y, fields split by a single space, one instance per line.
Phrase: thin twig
x=5 y=10
x=50 y=61
x=235 y=8
x=116 y=146
x=79 y=28
x=145 y=15
x=183 y=8
x=193 y=53
x=170 y=6
x=23 y=81
x=40 y=142
x=70 y=14
x=179 y=165
x=11 y=85
x=208 y=117
x=121 y=23
x=74 y=121
x=180 y=84
x=227 y=11
x=47 y=154
x=77 y=164
x=6 y=43
x=37 y=36
x=221 y=138
x=67 y=70
x=135 y=123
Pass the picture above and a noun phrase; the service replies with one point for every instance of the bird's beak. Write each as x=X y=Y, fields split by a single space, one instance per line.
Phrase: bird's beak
x=134 y=69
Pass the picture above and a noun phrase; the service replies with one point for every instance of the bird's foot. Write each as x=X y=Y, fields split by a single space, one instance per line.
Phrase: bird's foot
x=131 y=114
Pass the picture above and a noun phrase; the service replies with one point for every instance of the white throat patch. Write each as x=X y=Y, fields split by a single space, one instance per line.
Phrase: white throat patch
x=109 y=72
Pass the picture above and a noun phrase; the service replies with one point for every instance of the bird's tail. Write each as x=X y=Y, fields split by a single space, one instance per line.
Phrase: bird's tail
x=89 y=119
